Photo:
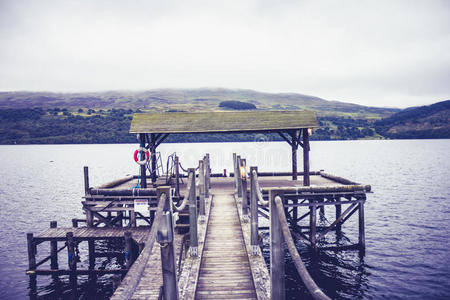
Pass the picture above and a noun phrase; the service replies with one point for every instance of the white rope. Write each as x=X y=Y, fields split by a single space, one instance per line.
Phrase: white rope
x=186 y=198
x=262 y=202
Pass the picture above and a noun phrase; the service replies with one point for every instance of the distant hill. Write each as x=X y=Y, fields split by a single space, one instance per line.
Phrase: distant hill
x=432 y=121
x=184 y=100
x=104 y=117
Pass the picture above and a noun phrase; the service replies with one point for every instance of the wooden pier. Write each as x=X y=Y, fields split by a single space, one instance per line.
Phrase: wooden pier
x=196 y=235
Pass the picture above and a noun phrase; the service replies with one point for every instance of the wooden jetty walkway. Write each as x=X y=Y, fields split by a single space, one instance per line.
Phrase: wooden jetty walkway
x=225 y=270
x=196 y=235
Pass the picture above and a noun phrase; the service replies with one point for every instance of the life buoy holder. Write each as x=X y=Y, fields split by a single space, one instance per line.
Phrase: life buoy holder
x=136 y=156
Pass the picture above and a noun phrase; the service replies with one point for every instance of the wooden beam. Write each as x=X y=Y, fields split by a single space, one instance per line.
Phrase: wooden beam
x=285 y=138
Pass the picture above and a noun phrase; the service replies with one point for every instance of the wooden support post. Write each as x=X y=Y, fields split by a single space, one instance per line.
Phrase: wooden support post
x=322 y=209
x=362 y=234
x=165 y=238
x=177 y=176
x=253 y=212
x=294 y=220
x=201 y=189
x=32 y=265
x=153 y=157
x=193 y=248
x=244 y=192
x=86 y=180
x=338 y=215
x=207 y=176
x=53 y=249
x=238 y=176
x=89 y=215
x=235 y=172
x=312 y=223
x=143 y=167
x=91 y=249
x=132 y=220
x=72 y=260
x=277 y=283
x=294 y=147
x=31 y=252
x=306 y=179
x=128 y=249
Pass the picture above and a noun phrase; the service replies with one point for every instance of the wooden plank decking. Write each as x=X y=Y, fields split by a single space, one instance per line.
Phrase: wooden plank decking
x=86 y=233
x=224 y=271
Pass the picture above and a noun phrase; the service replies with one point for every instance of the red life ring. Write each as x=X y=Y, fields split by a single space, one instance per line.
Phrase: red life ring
x=136 y=156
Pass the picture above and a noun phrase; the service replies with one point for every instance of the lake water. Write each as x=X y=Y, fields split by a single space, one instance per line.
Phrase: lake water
x=407 y=217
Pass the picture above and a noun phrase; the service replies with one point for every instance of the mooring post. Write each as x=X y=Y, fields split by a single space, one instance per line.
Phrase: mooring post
x=306 y=179
x=193 y=248
x=277 y=284
x=253 y=212
x=165 y=237
x=31 y=252
x=72 y=260
x=87 y=192
x=32 y=265
x=362 y=234
x=129 y=255
x=177 y=176
x=201 y=189
x=312 y=223
x=243 y=176
x=234 y=168
x=238 y=176
x=207 y=176
x=53 y=249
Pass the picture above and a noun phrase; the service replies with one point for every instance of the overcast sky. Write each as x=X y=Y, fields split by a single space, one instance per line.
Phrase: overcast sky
x=378 y=53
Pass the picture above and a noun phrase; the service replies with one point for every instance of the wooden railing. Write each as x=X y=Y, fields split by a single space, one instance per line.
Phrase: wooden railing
x=162 y=231
x=272 y=203
x=131 y=280
x=279 y=233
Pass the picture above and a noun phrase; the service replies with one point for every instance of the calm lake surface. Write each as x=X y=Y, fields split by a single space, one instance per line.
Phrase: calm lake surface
x=407 y=217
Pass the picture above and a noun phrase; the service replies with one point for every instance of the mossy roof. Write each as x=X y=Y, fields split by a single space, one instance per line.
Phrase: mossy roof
x=222 y=122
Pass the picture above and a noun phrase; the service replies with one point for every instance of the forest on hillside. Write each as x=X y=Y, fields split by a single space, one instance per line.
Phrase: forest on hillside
x=82 y=126
x=60 y=126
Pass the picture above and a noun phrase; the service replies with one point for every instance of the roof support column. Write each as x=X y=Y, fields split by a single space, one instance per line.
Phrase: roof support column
x=153 y=157
x=306 y=181
x=294 y=142
x=143 y=167
x=294 y=147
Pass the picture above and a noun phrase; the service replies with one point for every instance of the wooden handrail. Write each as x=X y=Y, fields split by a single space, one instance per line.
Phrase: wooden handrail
x=312 y=287
x=131 y=280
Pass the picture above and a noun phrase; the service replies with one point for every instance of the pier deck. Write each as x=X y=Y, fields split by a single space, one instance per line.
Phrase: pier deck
x=224 y=270
x=88 y=233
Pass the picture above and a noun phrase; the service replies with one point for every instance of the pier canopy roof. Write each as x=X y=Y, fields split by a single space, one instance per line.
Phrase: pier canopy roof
x=222 y=122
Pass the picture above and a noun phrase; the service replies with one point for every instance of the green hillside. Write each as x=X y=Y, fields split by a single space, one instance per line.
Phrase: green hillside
x=432 y=121
x=41 y=117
